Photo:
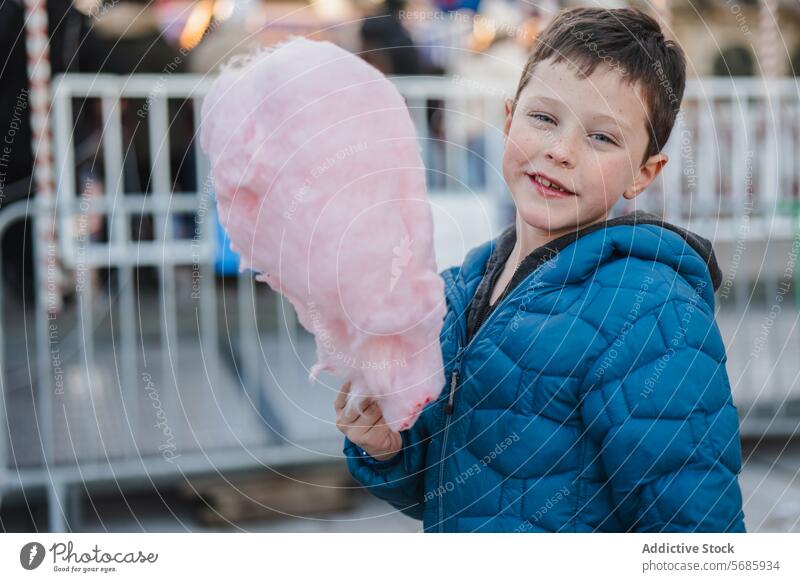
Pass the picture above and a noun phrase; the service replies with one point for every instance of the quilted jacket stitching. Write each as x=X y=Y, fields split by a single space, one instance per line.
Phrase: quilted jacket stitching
x=608 y=346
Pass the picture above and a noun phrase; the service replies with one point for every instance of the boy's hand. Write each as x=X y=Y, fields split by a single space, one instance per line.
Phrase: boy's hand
x=368 y=429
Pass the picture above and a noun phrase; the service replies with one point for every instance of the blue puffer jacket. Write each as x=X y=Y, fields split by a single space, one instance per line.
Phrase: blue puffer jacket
x=593 y=398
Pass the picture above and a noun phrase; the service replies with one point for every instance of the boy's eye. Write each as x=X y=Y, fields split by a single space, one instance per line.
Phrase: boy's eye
x=541 y=117
x=605 y=138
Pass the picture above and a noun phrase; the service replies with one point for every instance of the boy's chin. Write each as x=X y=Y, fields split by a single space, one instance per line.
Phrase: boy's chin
x=546 y=219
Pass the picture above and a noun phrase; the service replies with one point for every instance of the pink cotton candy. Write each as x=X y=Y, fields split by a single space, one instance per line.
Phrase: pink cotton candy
x=321 y=190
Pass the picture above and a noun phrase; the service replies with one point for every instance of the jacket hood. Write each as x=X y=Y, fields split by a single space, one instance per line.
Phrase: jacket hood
x=702 y=246
x=639 y=235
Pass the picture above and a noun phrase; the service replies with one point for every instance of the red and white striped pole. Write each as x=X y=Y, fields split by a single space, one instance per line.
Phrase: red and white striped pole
x=38 y=52
x=769 y=43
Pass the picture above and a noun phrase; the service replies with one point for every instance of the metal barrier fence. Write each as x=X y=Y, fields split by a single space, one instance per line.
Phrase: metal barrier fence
x=158 y=367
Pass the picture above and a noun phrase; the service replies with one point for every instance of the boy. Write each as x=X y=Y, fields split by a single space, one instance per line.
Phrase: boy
x=587 y=389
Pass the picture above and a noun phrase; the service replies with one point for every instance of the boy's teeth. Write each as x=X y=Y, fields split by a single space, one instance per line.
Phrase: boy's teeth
x=549 y=184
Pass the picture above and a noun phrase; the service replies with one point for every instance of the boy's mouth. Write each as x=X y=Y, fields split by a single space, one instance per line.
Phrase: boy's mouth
x=549 y=187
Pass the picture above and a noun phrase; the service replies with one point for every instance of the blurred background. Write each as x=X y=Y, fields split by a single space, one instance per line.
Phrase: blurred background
x=149 y=386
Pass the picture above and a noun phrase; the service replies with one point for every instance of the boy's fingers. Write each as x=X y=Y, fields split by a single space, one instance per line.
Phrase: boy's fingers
x=354 y=418
x=368 y=417
x=341 y=397
x=380 y=436
x=380 y=423
x=367 y=427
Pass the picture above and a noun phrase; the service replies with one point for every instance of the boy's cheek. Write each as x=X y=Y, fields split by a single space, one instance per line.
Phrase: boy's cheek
x=607 y=187
x=510 y=171
x=519 y=145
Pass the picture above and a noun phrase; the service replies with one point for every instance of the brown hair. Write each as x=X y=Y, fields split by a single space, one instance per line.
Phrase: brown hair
x=625 y=39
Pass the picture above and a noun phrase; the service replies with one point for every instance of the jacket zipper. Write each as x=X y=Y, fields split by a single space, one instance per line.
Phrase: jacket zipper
x=450 y=405
x=448 y=410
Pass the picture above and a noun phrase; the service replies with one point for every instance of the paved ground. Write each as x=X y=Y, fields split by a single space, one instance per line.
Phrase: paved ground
x=770 y=485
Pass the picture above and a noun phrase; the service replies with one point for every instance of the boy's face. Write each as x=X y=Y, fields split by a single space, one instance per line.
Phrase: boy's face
x=589 y=135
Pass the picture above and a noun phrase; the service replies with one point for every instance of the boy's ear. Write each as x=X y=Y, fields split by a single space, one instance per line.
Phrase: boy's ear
x=508 y=105
x=647 y=173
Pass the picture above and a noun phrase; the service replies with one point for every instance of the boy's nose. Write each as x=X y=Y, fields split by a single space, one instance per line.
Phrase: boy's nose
x=559 y=155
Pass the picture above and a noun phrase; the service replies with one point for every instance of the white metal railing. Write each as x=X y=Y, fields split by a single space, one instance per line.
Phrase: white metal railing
x=731 y=156
x=725 y=169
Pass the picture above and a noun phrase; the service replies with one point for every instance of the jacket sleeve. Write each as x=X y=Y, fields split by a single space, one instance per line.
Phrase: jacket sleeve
x=658 y=406
x=400 y=480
